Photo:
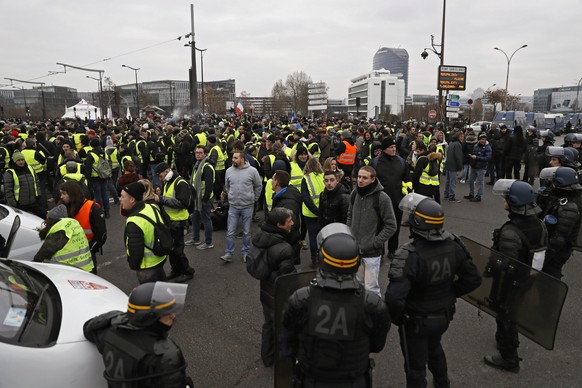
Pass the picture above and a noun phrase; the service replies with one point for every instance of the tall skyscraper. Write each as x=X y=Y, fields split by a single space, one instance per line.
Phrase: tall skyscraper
x=395 y=60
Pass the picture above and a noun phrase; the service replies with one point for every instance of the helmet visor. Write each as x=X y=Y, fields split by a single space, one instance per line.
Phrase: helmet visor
x=545 y=133
x=168 y=297
x=502 y=186
x=554 y=151
x=410 y=201
x=548 y=173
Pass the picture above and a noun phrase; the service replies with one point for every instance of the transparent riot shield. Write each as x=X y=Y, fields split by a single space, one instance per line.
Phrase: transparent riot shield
x=285 y=286
x=517 y=292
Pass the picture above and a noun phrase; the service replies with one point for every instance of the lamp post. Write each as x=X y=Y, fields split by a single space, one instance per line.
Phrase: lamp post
x=440 y=54
x=483 y=105
x=135 y=70
x=202 y=51
x=93 y=71
x=98 y=85
x=507 y=76
x=41 y=93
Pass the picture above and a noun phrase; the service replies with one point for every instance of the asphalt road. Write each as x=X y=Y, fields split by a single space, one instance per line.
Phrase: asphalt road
x=219 y=330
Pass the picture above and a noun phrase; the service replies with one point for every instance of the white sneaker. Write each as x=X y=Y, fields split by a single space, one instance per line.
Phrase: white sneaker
x=205 y=246
x=462 y=181
x=192 y=242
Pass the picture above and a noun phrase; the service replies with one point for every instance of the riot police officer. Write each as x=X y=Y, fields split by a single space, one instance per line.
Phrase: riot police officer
x=134 y=345
x=332 y=325
x=561 y=203
x=517 y=239
x=426 y=276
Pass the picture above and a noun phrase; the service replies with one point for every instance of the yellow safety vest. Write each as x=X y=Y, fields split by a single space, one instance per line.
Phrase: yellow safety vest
x=315 y=185
x=272 y=159
x=221 y=159
x=149 y=259
x=426 y=179
x=77 y=140
x=123 y=159
x=32 y=162
x=17 y=183
x=76 y=252
x=76 y=177
x=94 y=173
x=63 y=169
x=175 y=214
x=269 y=193
x=202 y=188
x=201 y=139
x=114 y=157
x=296 y=175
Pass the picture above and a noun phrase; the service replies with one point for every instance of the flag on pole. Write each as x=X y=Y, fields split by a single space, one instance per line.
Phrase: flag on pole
x=239 y=108
x=293 y=117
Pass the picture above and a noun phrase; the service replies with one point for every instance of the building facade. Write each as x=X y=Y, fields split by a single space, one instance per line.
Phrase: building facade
x=378 y=92
x=395 y=60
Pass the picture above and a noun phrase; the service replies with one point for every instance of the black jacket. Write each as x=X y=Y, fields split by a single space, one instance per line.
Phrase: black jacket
x=334 y=205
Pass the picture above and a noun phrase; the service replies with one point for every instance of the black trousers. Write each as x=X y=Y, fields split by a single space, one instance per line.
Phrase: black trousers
x=178 y=260
x=420 y=341
x=268 y=336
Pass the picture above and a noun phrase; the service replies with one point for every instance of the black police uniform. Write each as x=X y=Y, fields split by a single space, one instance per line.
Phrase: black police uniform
x=137 y=356
x=426 y=277
x=332 y=325
x=566 y=208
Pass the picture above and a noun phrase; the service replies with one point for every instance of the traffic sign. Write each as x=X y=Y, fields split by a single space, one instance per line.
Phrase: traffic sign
x=453 y=103
x=453 y=108
x=452 y=115
x=432 y=114
x=452 y=77
x=453 y=97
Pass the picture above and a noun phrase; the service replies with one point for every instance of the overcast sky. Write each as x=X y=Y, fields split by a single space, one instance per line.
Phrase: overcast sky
x=257 y=42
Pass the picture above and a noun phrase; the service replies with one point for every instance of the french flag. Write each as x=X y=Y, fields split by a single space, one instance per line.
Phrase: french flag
x=239 y=108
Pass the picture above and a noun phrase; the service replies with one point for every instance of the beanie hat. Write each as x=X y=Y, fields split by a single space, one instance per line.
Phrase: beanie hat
x=211 y=139
x=162 y=167
x=135 y=189
x=387 y=142
x=420 y=145
x=57 y=213
x=17 y=155
x=301 y=150
x=345 y=133
x=94 y=143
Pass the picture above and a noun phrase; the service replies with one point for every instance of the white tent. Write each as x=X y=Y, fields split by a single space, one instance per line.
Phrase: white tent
x=82 y=110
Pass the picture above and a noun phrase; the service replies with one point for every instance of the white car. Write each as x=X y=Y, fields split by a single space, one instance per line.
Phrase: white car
x=477 y=126
x=43 y=307
x=26 y=240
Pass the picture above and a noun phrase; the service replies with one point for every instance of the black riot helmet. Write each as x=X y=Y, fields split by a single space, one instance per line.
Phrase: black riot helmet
x=518 y=195
x=569 y=139
x=564 y=178
x=547 y=134
x=149 y=302
x=425 y=213
x=339 y=251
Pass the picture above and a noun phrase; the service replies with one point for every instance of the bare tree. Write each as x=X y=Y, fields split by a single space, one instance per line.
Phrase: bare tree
x=498 y=96
x=297 y=88
x=280 y=96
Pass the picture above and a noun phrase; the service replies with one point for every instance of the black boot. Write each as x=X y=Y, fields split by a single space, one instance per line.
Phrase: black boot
x=497 y=361
x=313 y=263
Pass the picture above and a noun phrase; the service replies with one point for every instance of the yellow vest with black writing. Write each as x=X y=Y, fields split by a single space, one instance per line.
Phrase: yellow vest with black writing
x=315 y=185
x=296 y=175
x=269 y=192
x=426 y=179
x=221 y=159
x=202 y=187
x=169 y=191
x=17 y=183
x=76 y=252
x=149 y=259
x=31 y=160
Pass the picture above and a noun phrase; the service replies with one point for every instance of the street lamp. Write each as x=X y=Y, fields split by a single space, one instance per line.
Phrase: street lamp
x=135 y=70
x=507 y=76
x=483 y=105
x=41 y=93
x=440 y=54
x=202 y=51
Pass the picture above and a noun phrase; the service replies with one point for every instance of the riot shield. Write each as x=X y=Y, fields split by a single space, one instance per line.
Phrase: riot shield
x=285 y=286
x=517 y=292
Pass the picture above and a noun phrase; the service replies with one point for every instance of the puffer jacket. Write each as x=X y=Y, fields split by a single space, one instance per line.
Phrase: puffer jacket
x=26 y=181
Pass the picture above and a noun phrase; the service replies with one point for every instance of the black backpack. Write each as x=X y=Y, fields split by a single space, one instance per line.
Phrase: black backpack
x=257 y=263
x=163 y=240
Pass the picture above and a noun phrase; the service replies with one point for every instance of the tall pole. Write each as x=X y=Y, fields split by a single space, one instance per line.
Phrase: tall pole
x=135 y=70
x=202 y=51
x=507 y=74
x=24 y=93
x=100 y=79
x=442 y=57
x=193 y=79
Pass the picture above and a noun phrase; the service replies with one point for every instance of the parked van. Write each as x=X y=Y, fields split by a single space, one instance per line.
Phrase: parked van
x=510 y=118
x=555 y=122
x=537 y=119
x=573 y=122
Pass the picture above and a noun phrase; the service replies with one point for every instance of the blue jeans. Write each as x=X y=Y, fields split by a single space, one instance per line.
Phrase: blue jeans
x=100 y=194
x=478 y=174
x=202 y=216
x=451 y=184
x=234 y=215
x=368 y=274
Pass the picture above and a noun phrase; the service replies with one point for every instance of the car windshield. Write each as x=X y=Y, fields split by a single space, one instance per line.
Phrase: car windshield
x=30 y=307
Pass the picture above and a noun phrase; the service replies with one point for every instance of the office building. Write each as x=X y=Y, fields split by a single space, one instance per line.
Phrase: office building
x=377 y=93
x=395 y=60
